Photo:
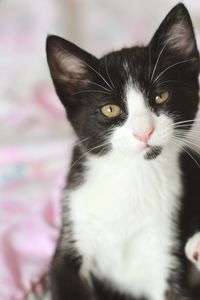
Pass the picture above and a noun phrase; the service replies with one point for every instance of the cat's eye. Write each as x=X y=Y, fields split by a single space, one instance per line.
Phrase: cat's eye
x=111 y=110
x=159 y=99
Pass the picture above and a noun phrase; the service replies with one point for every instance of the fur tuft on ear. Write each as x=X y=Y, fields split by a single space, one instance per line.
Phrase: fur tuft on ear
x=70 y=66
x=176 y=34
x=63 y=62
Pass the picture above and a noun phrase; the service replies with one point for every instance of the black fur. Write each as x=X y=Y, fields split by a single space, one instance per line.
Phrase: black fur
x=190 y=214
x=83 y=92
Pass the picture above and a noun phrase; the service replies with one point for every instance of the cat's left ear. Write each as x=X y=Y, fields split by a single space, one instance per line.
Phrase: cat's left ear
x=175 y=35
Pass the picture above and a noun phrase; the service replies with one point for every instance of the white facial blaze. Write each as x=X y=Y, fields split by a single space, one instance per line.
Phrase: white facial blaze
x=141 y=120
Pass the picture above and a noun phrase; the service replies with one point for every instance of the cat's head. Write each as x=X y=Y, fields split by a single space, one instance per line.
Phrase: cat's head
x=137 y=100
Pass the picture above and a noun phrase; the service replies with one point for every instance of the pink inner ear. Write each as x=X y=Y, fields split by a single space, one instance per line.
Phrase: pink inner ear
x=180 y=37
x=73 y=65
x=70 y=66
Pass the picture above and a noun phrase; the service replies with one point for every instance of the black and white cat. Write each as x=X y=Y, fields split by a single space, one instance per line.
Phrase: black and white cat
x=132 y=199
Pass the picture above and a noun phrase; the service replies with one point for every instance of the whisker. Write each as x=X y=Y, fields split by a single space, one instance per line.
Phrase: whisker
x=187 y=121
x=94 y=148
x=183 y=148
x=191 y=156
x=91 y=68
x=85 y=81
x=183 y=124
x=105 y=62
x=187 y=131
x=157 y=61
x=149 y=62
x=79 y=142
x=99 y=85
x=168 y=41
x=187 y=126
x=192 y=147
x=189 y=138
x=97 y=74
x=184 y=127
x=173 y=65
x=171 y=81
x=90 y=91
x=195 y=146
x=187 y=141
x=190 y=133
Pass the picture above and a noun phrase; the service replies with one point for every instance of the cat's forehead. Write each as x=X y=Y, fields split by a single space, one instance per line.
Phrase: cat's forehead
x=129 y=66
x=129 y=54
x=135 y=100
x=127 y=60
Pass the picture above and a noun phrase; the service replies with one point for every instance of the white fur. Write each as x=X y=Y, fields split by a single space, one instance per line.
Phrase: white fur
x=122 y=213
x=140 y=119
x=192 y=246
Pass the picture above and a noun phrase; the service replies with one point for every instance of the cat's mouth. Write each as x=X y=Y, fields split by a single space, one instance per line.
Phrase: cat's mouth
x=152 y=152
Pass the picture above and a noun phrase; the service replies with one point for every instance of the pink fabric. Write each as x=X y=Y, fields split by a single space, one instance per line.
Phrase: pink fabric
x=34 y=155
x=29 y=216
x=31 y=181
x=25 y=247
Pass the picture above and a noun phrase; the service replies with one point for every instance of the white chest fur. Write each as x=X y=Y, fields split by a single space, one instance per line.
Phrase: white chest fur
x=122 y=222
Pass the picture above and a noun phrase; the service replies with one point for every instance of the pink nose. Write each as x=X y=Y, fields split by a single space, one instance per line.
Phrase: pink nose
x=144 y=136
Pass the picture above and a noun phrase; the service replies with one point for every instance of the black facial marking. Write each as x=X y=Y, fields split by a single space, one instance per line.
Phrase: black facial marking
x=153 y=152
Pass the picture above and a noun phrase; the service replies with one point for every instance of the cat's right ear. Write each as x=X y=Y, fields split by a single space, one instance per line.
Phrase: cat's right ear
x=71 y=67
x=175 y=37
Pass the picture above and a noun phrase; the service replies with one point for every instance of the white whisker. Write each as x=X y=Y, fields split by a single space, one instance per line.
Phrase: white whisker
x=157 y=61
x=186 y=151
x=91 y=68
x=94 y=148
x=187 y=121
x=186 y=141
x=105 y=61
x=80 y=80
x=192 y=131
x=97 y=74
x=90 y=91
x=173 y=65
x=149 y=62
x=171 y=81
x=79 y=142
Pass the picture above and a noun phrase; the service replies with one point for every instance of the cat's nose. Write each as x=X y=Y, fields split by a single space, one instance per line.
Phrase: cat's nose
x=144 y=136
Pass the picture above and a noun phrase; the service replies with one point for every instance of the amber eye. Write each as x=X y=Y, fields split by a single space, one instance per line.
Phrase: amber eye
x=111 y=110
x=162 y=97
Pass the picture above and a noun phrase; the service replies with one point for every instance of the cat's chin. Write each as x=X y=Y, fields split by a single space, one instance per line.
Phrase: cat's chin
x=152 y=152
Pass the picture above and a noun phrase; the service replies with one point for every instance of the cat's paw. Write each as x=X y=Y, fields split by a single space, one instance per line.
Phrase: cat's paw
x=192 y=249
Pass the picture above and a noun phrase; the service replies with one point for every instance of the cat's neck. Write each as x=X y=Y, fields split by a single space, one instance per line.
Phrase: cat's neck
x=168 y=159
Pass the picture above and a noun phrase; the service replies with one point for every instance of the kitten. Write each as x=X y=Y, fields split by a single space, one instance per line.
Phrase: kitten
x=132 y=196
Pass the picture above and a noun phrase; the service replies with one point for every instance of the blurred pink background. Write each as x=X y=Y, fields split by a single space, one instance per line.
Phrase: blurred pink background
x=35 y=139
